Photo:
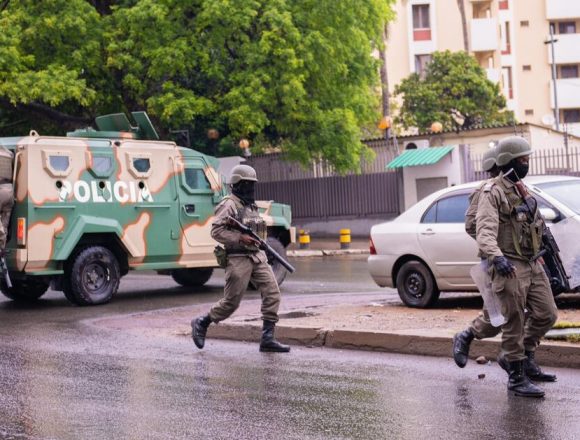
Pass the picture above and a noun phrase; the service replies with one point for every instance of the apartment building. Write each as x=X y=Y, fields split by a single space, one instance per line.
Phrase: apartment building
x=509 y=40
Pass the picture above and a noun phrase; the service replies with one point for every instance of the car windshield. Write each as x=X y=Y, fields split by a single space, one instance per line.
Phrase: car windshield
x=565 y=192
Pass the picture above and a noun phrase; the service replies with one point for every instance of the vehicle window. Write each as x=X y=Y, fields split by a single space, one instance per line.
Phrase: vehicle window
x=430 y=215
x=102 y=165
x=59 y=163
x=195 y=178
x=565 y=192
x=452 y=209
x=141 y=164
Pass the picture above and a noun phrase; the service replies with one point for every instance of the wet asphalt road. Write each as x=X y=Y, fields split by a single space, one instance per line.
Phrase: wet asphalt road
x=62 y=378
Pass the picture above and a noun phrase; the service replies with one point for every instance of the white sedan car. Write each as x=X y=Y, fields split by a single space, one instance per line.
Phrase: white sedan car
x=426 y=250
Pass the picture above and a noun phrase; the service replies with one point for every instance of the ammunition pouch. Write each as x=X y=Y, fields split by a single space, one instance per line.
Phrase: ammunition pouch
x=221 y=256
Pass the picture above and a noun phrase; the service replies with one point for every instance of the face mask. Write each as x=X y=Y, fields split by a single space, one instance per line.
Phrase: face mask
x=245 y=190
x=520 y=170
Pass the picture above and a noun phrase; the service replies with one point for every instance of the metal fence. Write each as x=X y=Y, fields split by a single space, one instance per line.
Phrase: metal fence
x=337 y=196
x=275 y=167
x=549 y=161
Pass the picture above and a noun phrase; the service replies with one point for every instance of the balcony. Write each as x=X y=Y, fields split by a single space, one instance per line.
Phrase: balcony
x=493 y=75
x=562 y=9
x=484 y=36
x=568 y=93
x=566 y=49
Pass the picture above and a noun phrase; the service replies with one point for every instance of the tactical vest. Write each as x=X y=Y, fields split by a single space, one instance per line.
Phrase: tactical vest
x=249 y=216
x=6 y=158
x=519 y=234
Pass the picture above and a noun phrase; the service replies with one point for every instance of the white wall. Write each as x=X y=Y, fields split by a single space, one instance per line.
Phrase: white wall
x=450 y=166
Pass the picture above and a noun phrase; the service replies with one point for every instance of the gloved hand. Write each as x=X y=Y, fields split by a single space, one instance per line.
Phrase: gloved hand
x=504 y=267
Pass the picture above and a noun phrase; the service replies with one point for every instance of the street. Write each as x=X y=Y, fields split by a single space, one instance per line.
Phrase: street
x=63 y=378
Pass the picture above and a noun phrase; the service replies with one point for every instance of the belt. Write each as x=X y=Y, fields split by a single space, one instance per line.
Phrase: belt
x=240 y=252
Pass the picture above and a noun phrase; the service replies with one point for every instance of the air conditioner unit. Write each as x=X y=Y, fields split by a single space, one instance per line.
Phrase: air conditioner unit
x=416 y=145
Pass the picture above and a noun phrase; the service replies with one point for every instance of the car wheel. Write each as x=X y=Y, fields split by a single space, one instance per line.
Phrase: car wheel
x=93 y=277
x=192 y=277
x=416 y=285
x=25 y=290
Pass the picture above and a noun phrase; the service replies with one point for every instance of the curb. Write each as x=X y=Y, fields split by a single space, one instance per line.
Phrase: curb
x=325 y=253
x=550 y=354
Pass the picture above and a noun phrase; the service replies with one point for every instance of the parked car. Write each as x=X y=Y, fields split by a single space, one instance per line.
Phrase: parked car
x=426 y=250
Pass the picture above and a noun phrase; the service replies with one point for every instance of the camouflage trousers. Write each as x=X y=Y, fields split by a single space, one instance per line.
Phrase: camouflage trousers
x=530 y=291
x=6 y=204
x=239 y=272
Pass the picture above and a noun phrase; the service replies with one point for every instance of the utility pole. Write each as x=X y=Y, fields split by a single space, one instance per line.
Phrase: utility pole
x=551 y=42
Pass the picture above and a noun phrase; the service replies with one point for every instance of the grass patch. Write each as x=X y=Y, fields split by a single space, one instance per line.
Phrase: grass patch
x=566 y=324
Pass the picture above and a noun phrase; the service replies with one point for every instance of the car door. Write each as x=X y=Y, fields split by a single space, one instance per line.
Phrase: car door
x=443 y=239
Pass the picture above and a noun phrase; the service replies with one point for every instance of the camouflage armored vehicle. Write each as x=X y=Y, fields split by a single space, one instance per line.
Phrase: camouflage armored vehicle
x=91 y=206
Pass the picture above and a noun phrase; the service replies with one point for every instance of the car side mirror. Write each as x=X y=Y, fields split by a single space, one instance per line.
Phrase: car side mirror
x=549 y=214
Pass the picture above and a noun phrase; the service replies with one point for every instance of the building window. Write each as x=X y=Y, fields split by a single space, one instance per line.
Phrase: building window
x=572 y=116
x=526 y=68
x=504 y=4
x=567 y=27
x=524 y=23
x=529 y=112
x=506 y=43
x=508 y=90
x=421 y=23
x=421 y=62
x=570 y=71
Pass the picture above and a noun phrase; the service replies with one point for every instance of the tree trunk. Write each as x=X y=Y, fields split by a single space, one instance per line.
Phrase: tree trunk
x=461 y=7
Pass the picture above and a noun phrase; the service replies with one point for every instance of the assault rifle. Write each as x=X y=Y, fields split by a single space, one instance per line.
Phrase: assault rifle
x=4 y=270
x=550 y=252
x=232 y=222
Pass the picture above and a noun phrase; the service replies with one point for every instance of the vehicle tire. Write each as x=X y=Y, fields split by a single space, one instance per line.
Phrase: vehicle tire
x=92 y=277
x=277 y=268
x=192 y=277
x=416 y=285
x=25 y=290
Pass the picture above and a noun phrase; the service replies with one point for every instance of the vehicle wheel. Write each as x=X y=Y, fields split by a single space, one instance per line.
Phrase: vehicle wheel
x=93 y=277
x=416 y=285
x=192 y=277
x=277 y=268
x=24 y=291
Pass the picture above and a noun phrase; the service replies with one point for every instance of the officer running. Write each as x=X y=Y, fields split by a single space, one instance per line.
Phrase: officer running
x=245 y=262
x=6 y=195
x=509 y=234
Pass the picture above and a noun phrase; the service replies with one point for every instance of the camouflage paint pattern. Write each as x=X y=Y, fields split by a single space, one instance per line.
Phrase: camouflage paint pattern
x=156 y=198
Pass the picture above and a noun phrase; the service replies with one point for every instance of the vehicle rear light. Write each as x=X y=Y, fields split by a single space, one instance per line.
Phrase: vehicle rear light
x=372 y=249
x=21 y=231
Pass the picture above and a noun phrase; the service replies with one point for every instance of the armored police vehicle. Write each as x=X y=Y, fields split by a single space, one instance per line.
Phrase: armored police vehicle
x=91 y=206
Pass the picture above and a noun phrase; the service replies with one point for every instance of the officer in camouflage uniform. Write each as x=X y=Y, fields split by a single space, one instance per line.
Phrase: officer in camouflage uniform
x=246 y=262
x=509 y=233
x=6 y=194
x=480 y=327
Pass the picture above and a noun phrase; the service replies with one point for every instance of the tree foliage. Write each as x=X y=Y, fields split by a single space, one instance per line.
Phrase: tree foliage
x=294 y=74
x=453 y=83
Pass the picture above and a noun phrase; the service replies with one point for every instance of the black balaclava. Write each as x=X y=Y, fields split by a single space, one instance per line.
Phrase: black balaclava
x=520 y=170
x=245 y=190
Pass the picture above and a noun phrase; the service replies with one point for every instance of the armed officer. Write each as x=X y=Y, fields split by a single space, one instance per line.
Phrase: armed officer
x=245 y=262
x=509 y=233
x=6 y=194
x=480 y=327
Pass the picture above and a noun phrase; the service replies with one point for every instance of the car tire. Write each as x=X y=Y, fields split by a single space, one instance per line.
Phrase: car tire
x=92 y=277
x=26 y=290
x=416 y=285
x=192 y=277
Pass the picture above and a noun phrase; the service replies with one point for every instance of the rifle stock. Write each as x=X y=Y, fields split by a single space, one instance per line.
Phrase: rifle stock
x=263 y=245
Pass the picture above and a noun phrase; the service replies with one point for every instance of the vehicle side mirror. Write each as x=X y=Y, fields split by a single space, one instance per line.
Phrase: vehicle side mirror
x=549 y=214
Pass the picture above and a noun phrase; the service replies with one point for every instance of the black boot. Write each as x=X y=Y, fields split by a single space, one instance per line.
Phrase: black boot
x=534 y=372
x=519 y=383
x=461 y=343
x=199 y=329
x=268 y=343
x=503 y=363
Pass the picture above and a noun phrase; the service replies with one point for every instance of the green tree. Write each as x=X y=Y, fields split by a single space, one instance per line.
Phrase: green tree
x=453 y=83
x=294 y=74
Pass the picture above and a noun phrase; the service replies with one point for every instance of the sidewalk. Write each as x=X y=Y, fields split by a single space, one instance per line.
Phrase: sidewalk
x=360 y=321
x=327 y=246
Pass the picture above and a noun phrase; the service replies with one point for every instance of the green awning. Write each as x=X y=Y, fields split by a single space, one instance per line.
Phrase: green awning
x=424 y=156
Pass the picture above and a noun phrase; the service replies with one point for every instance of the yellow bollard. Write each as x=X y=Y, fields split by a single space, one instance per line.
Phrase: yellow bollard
x=345 y=238
x=304 y=239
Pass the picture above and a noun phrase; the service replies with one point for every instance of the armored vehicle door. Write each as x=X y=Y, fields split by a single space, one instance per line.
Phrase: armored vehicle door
x=198 y=193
